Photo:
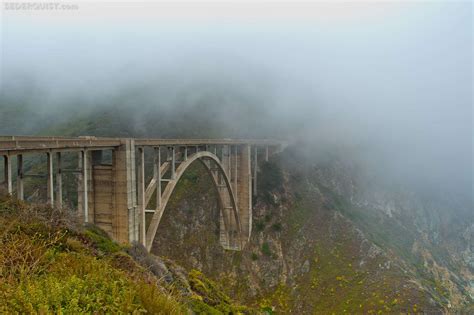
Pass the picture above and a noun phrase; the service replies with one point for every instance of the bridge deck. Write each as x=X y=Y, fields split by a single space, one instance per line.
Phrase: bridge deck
x=18 y=144
x=114 y=195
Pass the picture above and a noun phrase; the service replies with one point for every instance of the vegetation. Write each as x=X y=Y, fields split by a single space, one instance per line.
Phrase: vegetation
x=48 y=265
x=51 y=264
x=266 y=249
x=270 y=180
x=210 y=298
x=259 y=226
x=277 y=227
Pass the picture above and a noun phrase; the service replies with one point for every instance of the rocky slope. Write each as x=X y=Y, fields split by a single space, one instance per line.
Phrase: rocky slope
x=321 y=243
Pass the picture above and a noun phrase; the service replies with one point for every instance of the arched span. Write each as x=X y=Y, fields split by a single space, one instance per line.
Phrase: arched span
x=200 y=156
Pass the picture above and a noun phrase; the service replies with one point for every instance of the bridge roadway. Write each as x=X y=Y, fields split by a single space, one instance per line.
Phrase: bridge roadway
x=116 y=195
x=17 y=144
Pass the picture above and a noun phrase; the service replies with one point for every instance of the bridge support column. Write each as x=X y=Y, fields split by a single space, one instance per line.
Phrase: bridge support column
x=19 y=179
x=157 y=175
x=7 y=171
x=101 y=192
x=235 y=171
x=244 y=192
x=141 y=204
x=84 y=201
x=226 y=221
x=50 y=187
x=125 y=219
x=255 y=170
x=59 y=181
x=173 y=162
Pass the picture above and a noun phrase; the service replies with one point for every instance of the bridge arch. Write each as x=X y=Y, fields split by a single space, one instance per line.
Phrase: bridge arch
x=112 y=193
x=230 y=219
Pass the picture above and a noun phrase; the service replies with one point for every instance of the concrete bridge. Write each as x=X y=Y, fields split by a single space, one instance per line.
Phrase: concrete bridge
x=115 y=188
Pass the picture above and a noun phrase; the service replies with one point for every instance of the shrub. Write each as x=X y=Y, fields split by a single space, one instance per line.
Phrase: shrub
x=276 y=227
x=157 y=302
x=101 y=240
x=209 y=298
x=266 y=249
x=27 y=249
x=75 y=283
x=270 y=180
x=259 y=226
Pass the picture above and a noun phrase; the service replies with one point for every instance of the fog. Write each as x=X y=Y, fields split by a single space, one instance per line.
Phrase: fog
x=392 y=83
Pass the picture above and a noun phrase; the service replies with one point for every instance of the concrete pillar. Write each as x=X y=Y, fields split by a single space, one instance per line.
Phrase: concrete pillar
x=229 y=163
x=85 y=190
x=8 y=173
x=59 y=181
x=141 y=194
x=266 y=153
x=157 y=175
x=185 y=153
x=224 y=161
x=50 y=187
x=227 y=223
x=235 y=182
x=244 y=194
x=124 y=219
x=255 y=169
x=85 y=197
x=173 y=163
x=19 y=179
x=100 y=191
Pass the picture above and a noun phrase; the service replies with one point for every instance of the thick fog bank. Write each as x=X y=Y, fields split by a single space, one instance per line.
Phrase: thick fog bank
x=388 y=85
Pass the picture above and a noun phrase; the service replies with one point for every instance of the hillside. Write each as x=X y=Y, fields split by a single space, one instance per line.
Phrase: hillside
x=327 y=235
x=313 y=249
x=368 y=208
x=51 y=264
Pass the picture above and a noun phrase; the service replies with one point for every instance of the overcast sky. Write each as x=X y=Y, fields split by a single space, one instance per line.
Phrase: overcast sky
x=397 y=75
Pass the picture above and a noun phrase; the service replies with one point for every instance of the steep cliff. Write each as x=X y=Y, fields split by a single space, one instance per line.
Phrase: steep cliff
x=322 y=241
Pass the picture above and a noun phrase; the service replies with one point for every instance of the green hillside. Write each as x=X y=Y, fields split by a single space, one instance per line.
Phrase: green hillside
x=51 y=264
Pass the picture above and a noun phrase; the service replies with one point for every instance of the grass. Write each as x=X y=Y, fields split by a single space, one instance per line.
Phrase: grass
x=210 y=299
x=51 y=264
